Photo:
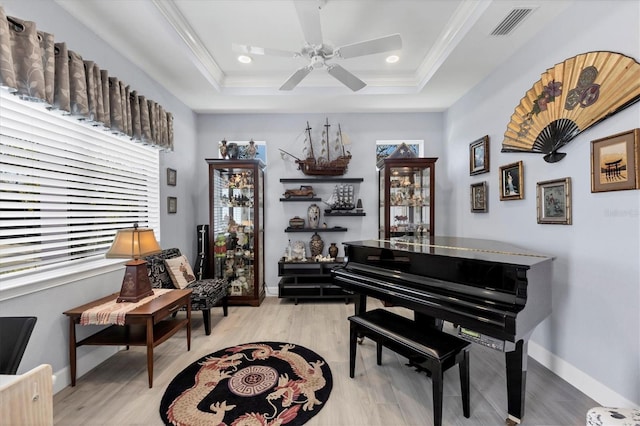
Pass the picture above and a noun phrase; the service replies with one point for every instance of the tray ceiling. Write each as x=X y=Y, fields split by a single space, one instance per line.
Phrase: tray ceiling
x=186 y=45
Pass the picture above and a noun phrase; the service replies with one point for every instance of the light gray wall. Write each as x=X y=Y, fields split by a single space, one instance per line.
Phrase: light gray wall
x=592 y=338
x=286 y=131
x=48 y=343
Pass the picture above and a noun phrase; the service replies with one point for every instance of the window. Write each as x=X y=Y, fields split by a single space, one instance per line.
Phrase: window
x=65 y=188
x=384 y=148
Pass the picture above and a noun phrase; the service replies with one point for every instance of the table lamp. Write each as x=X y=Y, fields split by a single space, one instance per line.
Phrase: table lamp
x=133 y=243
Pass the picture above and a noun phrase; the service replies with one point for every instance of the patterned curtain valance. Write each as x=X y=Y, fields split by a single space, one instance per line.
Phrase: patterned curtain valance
x=36 y=68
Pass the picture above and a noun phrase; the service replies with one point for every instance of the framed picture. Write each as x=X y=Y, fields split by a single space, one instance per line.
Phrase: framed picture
x=554 y=201
x=172 y=205
x=479 y=156
x=479 y=200
x=512 y=182
x=614 y=162
x=172 y=177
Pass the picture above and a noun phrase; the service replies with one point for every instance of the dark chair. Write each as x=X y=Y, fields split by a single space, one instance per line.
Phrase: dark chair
x=14 y=336
x=206 y=293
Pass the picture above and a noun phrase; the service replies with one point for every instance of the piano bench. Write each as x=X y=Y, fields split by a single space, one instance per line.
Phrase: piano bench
x=431 y=349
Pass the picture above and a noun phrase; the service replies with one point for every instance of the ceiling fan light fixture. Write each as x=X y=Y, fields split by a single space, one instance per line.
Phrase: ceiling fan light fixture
x=244 y=59
x=392 y=59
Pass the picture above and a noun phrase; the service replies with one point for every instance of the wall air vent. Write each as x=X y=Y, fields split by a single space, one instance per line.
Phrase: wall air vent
x=512 y=20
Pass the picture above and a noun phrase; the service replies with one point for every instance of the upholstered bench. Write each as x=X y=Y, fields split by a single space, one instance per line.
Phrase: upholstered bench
x=206 y=293
x=605 y=416
x=430 y=349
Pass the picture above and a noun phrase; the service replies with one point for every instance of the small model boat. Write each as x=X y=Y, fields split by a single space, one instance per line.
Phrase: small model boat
x=341 y=198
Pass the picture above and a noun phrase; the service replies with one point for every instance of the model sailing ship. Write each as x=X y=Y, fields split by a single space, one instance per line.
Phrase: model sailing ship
x=342 y=198
x=323 y=163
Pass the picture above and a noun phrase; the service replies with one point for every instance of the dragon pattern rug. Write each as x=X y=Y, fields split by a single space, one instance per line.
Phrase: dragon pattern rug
x=253 y=384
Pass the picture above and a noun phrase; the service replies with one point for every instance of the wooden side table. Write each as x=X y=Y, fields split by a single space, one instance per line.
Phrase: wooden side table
x=148 y=325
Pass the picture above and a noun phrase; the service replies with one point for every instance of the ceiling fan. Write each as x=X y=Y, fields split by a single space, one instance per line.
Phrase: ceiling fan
x=319 y=53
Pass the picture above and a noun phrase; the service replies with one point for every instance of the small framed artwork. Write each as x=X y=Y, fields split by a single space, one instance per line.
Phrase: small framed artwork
x=554 y=201
x=479 y=156
x=172 y=205
x=512 y=182
x=172 y=177
x=614 y=162
x=479 y=203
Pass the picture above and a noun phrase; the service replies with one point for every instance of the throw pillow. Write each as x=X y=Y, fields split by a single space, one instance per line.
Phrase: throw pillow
x=180 y=271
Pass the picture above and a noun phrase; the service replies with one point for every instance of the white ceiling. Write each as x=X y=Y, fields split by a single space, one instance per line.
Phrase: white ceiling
x=185 y=45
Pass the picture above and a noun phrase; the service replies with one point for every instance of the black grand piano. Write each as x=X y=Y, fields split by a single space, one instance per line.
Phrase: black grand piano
x=494 y=293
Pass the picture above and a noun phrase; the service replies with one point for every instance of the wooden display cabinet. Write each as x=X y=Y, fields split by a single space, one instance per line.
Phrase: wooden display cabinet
x=236 y=227
x=406 y=198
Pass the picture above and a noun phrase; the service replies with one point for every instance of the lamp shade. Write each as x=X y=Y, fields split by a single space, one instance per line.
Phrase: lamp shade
x=133 y=243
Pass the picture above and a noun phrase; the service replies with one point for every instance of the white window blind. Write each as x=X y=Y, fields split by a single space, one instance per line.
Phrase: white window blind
x=65 y=188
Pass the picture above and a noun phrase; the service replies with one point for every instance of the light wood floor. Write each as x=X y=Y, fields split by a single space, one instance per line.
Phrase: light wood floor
x=116 y=392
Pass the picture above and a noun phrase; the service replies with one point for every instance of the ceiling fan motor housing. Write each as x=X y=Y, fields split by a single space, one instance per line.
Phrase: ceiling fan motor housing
x=317 y=61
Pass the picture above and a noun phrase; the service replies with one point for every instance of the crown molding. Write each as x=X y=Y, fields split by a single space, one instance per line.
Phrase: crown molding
x=463 y=19
x=202 y=58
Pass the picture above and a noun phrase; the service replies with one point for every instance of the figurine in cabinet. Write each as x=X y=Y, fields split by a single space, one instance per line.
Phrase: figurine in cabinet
x=406 y=191
x=228 y=271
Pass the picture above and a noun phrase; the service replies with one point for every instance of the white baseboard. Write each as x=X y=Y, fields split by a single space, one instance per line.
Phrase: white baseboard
x=84 y=364
x=577 y=378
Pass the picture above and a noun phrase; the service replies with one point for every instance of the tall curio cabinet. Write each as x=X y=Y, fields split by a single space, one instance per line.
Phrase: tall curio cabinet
x=236 y=227
x=406 y=204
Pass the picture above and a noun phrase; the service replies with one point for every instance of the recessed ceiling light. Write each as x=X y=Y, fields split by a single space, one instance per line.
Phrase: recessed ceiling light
x=392 y=59
x=244 y=59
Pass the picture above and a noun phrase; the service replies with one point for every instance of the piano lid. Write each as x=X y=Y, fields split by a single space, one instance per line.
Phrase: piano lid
x=462 y=248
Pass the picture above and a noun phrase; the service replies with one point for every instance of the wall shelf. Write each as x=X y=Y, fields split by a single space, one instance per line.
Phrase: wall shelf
x=301 y=199
x=328 y=214
x=312 y=280
x=322 y=180
x=333 y=229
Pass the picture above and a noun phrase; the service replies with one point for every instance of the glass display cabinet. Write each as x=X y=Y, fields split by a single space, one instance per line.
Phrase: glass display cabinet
x=236 y=227
x=406 y=207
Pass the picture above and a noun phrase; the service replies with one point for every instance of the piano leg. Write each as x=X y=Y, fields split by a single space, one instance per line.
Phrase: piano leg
x=360 y=304
x=516 y=363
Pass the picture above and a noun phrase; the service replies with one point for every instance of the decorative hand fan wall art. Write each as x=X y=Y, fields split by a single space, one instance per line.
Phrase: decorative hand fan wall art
x=568 y=99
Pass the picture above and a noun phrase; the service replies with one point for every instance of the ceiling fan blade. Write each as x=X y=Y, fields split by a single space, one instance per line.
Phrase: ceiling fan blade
x=369 y=47
x=309 y=17
x=296 y=78
x=255 y=50
x=345 y=77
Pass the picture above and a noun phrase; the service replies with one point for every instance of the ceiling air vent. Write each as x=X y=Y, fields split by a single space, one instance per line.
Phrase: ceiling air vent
x=511 y=21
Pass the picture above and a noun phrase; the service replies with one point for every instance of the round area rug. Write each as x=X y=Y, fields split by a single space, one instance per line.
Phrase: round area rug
x=253 y=384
